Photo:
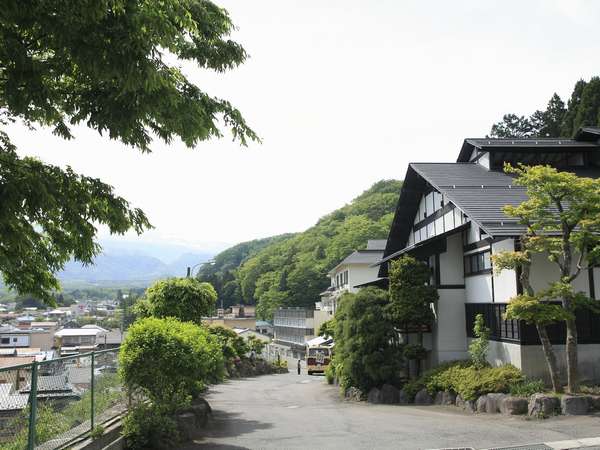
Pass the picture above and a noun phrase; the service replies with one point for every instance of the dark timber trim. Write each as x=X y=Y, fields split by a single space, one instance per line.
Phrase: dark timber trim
x=479 y=244
x=432 y=218
x=518 y=269
x=450 y=286
x=438 y=274
x=591 y=282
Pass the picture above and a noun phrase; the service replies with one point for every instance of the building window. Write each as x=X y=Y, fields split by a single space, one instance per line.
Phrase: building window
x=6 y=340
x=478 y=263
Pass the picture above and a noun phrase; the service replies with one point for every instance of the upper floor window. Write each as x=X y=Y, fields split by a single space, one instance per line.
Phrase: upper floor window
x=478 y=263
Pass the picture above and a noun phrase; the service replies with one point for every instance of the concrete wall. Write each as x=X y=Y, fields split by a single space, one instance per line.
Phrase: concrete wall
x=503 y=353
x=44 y=341
x=534 y=363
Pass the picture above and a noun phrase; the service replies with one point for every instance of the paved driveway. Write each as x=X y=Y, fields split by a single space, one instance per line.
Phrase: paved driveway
x=291 y=411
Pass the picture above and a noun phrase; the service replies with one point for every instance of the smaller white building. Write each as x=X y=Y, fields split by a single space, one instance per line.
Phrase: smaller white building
x=354 y=271
x=78 y=340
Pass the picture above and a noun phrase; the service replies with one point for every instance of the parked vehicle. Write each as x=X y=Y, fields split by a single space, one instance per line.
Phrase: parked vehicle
x=317 y=359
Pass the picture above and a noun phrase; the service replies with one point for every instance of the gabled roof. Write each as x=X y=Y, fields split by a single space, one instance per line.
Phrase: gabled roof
x=477 y=192
x=360 y=257
x=530 y=144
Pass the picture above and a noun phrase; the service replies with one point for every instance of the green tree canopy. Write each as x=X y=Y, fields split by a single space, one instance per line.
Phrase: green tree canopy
x=186 y=299
x=113 y=66
x=562 y=220
x=583 y=109
x=293 y=271
x=411 y=295
x=366 y=355
x=169 y=360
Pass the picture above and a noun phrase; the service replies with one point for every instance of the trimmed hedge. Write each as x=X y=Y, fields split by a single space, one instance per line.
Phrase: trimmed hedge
x=470 y=382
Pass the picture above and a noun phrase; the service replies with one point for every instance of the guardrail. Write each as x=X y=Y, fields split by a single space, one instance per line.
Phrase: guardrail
x=49 y=404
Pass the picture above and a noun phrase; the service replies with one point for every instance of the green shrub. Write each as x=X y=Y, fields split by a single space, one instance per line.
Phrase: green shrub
x=479 y=346
x=149 y=426
x=330 y=373
x=97 y=432
x=527 y=387
x=186 y=299
x=591 y=390
x=255 y=344
x=169 y=360
x=411 y=388
x=232 y=345
x=471 y=382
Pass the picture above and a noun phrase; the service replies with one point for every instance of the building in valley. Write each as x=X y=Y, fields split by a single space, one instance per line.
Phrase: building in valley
x=451 y=216
x=356 y=270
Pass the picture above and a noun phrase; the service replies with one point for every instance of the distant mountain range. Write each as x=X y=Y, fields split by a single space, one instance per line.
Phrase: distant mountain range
x=131 y=261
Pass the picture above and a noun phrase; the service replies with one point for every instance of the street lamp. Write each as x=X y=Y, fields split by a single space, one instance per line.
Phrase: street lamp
x=190 y=270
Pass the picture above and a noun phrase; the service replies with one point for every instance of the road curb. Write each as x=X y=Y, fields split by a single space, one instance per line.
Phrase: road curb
x=592 y=443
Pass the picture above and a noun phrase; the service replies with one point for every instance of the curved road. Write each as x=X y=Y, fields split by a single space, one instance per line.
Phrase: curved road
x=293 y=412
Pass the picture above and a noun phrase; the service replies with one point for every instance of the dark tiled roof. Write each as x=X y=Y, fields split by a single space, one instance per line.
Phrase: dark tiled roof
x=481 y=194
x=376 y=244
x=585 y=141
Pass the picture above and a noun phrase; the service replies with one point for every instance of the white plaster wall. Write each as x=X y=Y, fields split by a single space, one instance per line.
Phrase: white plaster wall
x=597 y=282
x=473 y=234
x=505 y=283
x=360 y=274
x=534 y=363
x=451 y=262
x=449 y=334
x=543 y=271
x=478 y=288
x=484 y=160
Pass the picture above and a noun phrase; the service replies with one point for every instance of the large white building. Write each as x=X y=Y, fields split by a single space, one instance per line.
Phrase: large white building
x=354 y=271
x=451 y=216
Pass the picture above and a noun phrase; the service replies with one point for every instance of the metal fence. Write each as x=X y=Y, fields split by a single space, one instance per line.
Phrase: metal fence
x=49 y=404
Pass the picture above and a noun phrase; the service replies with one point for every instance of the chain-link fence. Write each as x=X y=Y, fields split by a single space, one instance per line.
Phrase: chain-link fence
x=46 y=405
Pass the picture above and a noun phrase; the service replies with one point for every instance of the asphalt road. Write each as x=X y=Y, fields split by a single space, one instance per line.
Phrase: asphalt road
x=293 y=412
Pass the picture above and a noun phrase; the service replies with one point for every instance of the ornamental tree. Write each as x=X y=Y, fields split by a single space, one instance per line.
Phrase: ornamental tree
x=365 y=349
x=411 y=302
x=186 y=299
x=170 y=361
x=562 y=221
x=112 y=65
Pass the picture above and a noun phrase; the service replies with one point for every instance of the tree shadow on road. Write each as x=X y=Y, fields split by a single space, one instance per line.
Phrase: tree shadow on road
x=211 y=446
x=227 y=424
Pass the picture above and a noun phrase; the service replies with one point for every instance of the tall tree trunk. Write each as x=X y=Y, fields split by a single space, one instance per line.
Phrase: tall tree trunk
x=571 y=351
x=571 y=340
x=550 y=357
x=547 y=348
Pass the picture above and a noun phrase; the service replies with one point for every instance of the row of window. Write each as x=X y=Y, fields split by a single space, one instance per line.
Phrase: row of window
x=478 y=263
x=341 y=279
x=6 y=340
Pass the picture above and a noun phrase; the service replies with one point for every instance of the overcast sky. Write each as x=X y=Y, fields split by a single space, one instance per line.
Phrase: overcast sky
x=342 y=93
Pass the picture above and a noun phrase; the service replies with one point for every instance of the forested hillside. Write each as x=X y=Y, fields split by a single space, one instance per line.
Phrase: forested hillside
x=222 y=273
x=292 y=271
x=558 y=119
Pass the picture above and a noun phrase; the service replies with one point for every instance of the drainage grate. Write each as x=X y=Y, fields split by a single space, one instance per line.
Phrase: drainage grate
x=524 y=447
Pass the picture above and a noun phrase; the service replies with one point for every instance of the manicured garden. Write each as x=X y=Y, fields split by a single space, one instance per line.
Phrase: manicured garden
x=169 y=358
